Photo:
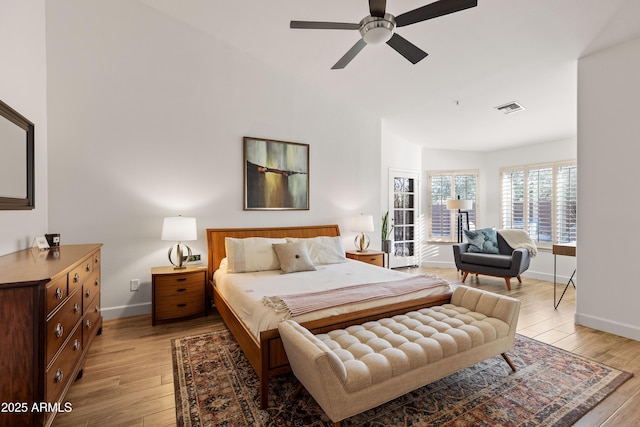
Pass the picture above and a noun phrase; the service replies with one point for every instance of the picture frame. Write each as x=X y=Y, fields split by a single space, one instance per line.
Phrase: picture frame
x=276 y=174
x=41 y=242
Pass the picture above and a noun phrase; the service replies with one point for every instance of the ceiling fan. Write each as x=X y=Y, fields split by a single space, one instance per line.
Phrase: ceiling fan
x=379 y=27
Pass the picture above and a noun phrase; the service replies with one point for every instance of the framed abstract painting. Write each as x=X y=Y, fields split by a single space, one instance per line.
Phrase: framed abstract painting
x=276 y=175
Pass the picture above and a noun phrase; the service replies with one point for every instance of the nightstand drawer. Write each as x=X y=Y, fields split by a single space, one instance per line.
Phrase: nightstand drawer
x=188 y=304
x=375 y=258
x=179 y=281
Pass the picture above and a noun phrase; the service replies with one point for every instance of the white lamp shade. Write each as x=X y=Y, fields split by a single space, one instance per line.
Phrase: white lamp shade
x=362 y=223
x=179 y=229
x=463 y=205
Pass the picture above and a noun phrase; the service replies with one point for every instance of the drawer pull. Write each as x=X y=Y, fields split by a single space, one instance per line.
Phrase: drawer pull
x=76 y=308
x=58 y=293
x=59 y=330
x=88 y=293
x=76 y=278
x=181 y=289
x=97 y=309
x=97 y=282
x=87 y=267
x=181 y=279
x=88 y=323
x=76 y=345
x=59 y=375
x=96 y=260
x=181 y=305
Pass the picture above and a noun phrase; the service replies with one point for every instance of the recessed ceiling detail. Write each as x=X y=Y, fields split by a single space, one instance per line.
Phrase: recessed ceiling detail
x=511 y=107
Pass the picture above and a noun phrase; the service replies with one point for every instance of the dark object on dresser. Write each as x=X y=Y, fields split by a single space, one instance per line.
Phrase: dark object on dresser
x=50 y=312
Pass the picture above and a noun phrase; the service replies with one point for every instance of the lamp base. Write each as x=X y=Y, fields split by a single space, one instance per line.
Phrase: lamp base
x=361 y=242
x=181 y=265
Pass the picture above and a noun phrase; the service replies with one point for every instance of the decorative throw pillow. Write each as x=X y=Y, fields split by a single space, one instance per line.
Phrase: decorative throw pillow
x=251 y=254
x=484 y=240
x=293 y=257
x=323 y=249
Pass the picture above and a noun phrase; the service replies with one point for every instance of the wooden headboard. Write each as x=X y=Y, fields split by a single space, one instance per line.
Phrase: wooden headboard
x=216 y=236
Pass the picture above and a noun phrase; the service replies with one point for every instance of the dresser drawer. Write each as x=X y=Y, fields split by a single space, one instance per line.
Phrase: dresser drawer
x=56 y=293
x=62 y=323
x=91 y=320
x=91 y=288
x=61 y=370
x=78 y=275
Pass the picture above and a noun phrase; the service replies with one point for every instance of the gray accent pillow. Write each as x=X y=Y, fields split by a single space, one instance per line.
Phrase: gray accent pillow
x=484 y=240
x=293 y=257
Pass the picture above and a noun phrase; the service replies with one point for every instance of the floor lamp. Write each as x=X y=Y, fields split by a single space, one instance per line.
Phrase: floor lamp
x=460 y=205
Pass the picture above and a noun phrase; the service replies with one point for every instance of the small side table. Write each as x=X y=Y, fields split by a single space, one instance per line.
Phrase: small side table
x=370 y=257
x=178 y=294
x=566 y=249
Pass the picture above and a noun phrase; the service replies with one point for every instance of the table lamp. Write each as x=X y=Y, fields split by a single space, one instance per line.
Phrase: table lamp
x=179 y=229
x=362 y=224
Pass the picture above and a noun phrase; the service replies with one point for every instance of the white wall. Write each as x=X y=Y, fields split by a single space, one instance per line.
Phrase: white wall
x=23 y=77
x=146 y=120
x=608 y=153
x=488 y=164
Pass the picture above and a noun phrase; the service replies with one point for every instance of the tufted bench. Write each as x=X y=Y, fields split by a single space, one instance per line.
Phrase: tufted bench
x=348 y=371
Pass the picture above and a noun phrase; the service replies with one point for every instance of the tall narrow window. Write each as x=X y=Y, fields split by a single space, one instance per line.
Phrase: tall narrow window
x=540 y=199
x=444 y=185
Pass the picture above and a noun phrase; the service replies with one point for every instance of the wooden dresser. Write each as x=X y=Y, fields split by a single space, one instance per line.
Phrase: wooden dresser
x=50 y=312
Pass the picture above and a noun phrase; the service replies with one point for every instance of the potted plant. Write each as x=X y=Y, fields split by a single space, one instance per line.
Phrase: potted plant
x=386 y=232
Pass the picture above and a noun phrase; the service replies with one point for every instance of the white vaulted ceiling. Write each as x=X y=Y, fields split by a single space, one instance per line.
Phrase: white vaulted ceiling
x=498 y=52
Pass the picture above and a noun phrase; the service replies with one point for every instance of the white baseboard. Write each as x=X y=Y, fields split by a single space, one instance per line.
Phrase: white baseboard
x=539 y=275
x=126 y=311
x=606 y=325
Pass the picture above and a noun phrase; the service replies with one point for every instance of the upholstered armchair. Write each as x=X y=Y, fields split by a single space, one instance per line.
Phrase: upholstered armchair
x=506 y=263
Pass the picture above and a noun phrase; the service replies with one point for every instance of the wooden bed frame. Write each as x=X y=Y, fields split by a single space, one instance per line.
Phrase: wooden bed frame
x=267 y=355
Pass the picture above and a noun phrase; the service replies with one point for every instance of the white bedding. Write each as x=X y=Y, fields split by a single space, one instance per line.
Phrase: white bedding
x=244 y=291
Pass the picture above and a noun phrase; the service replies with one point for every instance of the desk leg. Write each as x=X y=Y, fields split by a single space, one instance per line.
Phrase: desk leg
x=570 y=282
x=554 y=281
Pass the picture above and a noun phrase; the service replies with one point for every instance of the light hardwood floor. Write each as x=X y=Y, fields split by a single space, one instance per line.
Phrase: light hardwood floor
x=128 y=376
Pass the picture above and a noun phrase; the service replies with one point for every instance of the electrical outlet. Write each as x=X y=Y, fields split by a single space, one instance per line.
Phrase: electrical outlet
x=134 y=284
x=192 y=258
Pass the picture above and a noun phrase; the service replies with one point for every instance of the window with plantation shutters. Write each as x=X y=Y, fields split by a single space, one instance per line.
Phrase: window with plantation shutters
x=444 y=185
x=540 y=199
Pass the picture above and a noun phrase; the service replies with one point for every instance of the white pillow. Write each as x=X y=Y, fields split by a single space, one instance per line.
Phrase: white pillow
x=293 y=257
x=251 y=254
x=323 y=249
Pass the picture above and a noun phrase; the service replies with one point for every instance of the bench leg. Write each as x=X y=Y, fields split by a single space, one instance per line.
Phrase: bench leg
x=511 y=365
x=296 y=393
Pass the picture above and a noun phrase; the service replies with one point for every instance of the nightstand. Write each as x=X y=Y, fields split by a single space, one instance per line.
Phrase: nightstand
x=178 y=294
x=370 y=257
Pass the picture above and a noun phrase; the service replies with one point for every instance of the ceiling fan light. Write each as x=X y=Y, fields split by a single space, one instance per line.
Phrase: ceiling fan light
x=375 y=30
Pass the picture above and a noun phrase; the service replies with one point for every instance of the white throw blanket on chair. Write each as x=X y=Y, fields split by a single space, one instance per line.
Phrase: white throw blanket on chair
x=519 y=239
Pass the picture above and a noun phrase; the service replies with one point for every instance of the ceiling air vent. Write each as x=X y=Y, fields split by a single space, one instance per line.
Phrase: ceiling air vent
x=511 y=107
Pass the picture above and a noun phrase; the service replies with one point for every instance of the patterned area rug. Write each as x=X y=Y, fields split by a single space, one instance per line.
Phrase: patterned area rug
x=215 y=385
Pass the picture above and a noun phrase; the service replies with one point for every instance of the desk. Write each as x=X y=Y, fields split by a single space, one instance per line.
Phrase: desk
x=566 y=249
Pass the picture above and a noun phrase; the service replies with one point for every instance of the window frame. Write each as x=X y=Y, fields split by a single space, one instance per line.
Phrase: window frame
x=473 y=213
x=527 y=202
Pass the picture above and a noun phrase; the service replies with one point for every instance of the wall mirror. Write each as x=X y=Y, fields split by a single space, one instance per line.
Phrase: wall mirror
x=16 y=160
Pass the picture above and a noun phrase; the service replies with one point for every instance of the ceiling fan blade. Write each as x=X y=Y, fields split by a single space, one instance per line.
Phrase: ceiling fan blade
x=377 y=7
x=433 y=10
x=324 y=25
x=351 y=53
x=407 y=49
